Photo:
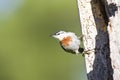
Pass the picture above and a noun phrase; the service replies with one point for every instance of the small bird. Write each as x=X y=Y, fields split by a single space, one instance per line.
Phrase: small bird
x=69 y=42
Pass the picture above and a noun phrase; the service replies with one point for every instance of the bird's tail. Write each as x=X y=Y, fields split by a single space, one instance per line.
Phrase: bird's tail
x=81 y=50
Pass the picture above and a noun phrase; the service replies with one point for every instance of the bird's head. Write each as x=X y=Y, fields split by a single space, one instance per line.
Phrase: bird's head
x=60 y=35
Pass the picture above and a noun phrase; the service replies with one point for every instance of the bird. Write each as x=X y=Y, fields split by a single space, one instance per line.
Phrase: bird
x=69 y=41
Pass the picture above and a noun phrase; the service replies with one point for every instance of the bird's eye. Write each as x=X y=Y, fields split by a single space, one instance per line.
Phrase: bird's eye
x=58 y=34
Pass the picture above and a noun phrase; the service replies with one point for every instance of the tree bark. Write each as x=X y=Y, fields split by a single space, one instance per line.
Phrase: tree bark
x=100 y=23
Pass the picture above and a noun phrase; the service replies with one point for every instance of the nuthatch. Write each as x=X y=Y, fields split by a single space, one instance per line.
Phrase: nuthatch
x=69 y=42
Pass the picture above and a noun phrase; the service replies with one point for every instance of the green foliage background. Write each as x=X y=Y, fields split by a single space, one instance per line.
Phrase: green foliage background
x=26 y=50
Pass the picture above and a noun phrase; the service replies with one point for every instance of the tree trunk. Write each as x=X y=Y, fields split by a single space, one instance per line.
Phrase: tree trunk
x=100 y=23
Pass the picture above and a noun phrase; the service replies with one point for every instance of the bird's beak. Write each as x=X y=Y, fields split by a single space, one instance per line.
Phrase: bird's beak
x=52 y=35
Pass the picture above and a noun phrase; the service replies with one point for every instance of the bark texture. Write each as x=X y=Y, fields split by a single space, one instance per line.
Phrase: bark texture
x=100 y=22
x=113 y=9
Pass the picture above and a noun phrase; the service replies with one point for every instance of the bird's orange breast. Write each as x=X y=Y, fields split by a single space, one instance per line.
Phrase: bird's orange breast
x=66 y=41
